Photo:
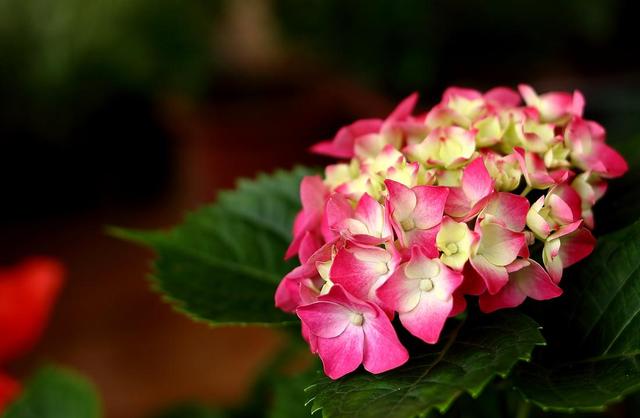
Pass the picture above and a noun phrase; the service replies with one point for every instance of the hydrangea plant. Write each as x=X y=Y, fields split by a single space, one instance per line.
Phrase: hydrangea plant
x=415 y=256
x=435 y=207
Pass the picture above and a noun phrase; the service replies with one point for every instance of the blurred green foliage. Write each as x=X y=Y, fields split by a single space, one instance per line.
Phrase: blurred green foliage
x=61 y=59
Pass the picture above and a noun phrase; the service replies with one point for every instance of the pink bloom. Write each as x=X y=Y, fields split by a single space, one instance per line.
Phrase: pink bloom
x=459 y=303
x=504 y=170
x=589 y=152
x=565 y=247
x=390 y=230
x=466 y=201
x=454 y=240
x=535 y=172
x=306 y=227
x=496 y=248
x=416 y=213
x=421 y=292
x=462 y=106
x=561 y=206
x=506 y=209
x=367 y=224
x=590 y=188
x=448 y=148
x=526 y=131
x=553 y=106
x=498 y=96
x=526 y=279
x=362 y=133
x=349 y=332
x=362 y=269
x=304 y=283
x=500 y=240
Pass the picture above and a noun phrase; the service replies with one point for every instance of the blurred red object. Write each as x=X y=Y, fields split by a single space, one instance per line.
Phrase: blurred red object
x=9 y=389
x=27 y=294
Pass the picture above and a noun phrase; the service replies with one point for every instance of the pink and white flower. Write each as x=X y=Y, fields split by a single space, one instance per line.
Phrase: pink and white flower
x=421 y=292
x=590 y=188
x=465 y=201
x=553 y=106
x=535 y=171
x=362 y=269
x=565 y=247
x=447 y=148
x=348 y=332
x=454 y=241
x=367 y=224
x=526 y=279
x=416 y=213
x=431 y=209
x=368 y=135
x=561 y=206
x=589 y=152
x=306 y=227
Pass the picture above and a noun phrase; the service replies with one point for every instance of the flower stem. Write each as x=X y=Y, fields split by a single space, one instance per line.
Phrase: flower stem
x=526 y=191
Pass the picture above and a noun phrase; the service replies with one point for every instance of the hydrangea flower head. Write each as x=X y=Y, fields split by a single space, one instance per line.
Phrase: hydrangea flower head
x=486 y=194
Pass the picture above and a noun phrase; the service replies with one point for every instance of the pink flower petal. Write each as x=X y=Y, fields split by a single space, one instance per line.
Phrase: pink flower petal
x=404 y=109
x=337 y=210
x=382 y=349
x=534 y=170
x=565 y=230
x=342 y=354
x=309 y=244
x=288 y=295
x=400 y=293
x=343 y=144
x=614 y=164
x=374 y=216
x=494 y=277
x=325 y=319
x=476 y=181
x=571 y=198
x=311 y=339
x=534 y=281
x=466 y=201
x=425 y=239
x=313 y=194
x=473 y=283
x=499 y=245
x=528 y=281
x=576 y=246
x=459 y=304
x=428 y=318
x=508 y=297
x=362 y=269
x=402 y=199
x=503 y=96
x=430 y=205
x=508 y=209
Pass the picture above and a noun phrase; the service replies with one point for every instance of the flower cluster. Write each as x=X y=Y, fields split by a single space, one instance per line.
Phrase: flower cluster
x=427 y=209
x=27 y=294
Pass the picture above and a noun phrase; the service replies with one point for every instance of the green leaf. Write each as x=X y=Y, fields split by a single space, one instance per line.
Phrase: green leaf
x=468 y=357
x=593 y=332
x=289 y=397
x=223 y=264
x=56 y=393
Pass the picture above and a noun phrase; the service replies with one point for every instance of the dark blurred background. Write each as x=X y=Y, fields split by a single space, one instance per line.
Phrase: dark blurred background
x=130 y=112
